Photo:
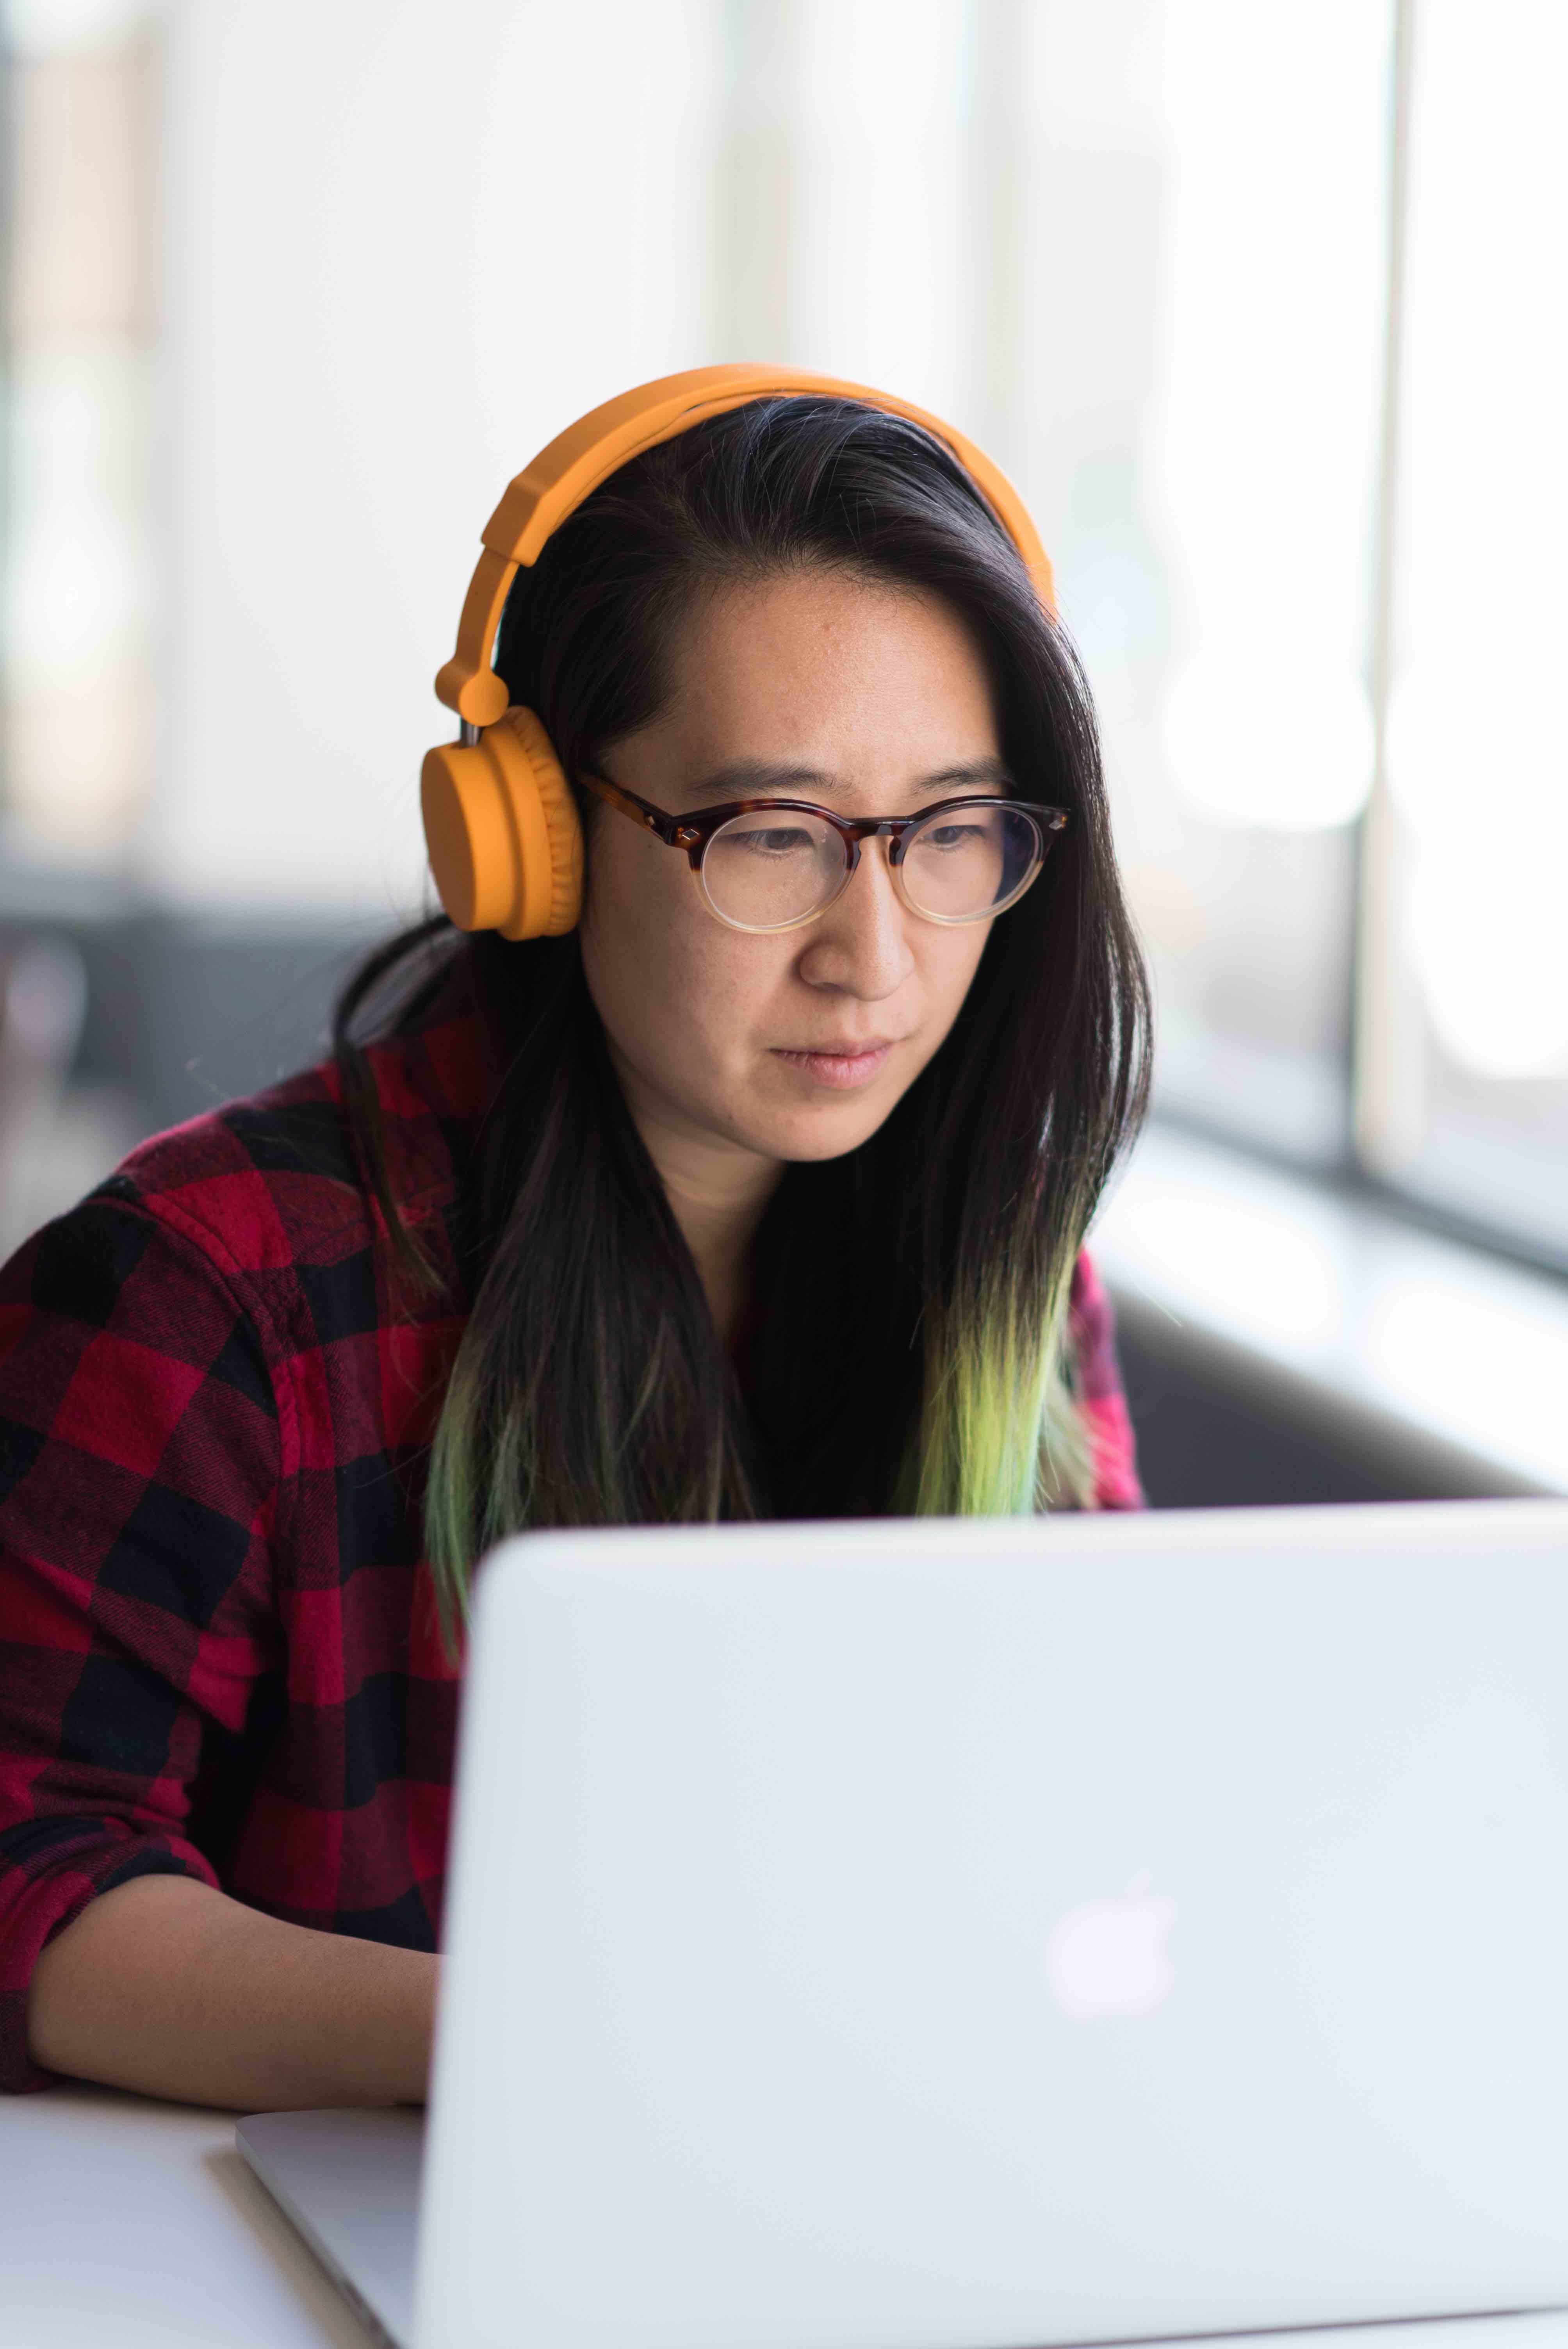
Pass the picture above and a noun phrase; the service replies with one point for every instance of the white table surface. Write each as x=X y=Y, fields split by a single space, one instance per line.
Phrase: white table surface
x=128 y=2222
x=125 y=2221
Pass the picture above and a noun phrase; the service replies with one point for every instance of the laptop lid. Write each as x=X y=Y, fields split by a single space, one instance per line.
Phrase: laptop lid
x=937 y=1932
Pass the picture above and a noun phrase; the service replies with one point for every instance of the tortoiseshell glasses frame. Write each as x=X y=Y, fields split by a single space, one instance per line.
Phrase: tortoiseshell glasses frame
x=695 y=830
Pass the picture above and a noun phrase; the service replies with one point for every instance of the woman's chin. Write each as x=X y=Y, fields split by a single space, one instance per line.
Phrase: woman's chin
x=826 y=1129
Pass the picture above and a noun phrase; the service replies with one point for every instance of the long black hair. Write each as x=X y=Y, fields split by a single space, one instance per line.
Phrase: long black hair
x=910 y=1349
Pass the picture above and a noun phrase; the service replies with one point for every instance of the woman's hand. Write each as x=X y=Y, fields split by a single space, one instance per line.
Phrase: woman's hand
x=166 y=1987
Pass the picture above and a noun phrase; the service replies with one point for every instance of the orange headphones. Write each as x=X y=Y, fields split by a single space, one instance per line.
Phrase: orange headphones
x=502 y=826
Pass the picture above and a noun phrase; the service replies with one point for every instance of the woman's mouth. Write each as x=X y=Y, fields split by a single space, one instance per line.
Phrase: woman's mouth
x=843 y=1068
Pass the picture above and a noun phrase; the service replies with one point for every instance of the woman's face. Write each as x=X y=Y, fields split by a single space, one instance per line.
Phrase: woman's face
x=873 y=701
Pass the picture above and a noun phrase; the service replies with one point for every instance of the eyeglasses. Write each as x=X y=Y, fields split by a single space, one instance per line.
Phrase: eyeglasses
x=772 y=864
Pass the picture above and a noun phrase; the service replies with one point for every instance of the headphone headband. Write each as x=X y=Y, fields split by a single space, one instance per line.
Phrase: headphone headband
x=571 y=468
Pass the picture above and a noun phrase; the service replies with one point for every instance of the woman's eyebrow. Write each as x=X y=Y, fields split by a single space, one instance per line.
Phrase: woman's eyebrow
x=762 y=778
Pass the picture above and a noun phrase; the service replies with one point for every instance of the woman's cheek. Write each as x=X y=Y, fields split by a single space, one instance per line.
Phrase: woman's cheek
x=665 y=987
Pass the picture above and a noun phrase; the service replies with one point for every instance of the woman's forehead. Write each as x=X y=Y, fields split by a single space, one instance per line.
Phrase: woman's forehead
x=825 y=678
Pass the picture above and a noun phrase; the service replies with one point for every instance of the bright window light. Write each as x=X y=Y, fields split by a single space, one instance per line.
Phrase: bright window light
x=1264 y=436
x=1477 y=764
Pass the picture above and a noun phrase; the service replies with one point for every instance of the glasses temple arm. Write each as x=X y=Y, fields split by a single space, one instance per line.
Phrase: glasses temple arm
x=641 y=812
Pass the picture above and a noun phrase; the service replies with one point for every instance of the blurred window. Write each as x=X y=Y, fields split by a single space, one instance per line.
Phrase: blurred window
x=79 y=712
x=1218 y=553
x=1465 y=1087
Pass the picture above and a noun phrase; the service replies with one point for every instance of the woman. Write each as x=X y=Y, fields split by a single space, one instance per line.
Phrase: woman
x=760 y=1191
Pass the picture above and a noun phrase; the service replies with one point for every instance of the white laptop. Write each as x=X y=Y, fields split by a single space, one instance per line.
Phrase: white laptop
x=978 y=1935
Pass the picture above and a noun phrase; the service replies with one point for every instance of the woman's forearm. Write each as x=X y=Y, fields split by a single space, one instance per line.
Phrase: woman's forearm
x=166 y=1987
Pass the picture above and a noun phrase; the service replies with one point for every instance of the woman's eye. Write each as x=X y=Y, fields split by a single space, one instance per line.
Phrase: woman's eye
x=777 y=840
x=954 y=835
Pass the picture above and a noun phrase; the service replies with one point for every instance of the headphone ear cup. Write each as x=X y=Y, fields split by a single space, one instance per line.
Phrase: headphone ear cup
x=562 y=824
x=503 y=830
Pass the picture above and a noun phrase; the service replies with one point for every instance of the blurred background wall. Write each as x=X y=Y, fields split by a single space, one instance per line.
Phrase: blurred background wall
x=1261 y=308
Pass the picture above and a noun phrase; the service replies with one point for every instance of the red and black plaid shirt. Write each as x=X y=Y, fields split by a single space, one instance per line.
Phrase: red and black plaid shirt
x=219 y=1650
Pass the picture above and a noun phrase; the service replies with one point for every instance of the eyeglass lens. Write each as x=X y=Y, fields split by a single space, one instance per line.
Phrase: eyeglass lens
x=770 y=869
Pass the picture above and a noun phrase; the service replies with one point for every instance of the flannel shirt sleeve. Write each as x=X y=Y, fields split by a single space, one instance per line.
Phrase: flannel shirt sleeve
x=138 y=1479
x=1101 y=1400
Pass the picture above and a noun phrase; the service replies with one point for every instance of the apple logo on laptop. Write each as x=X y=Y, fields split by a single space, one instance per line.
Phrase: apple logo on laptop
x=1110 y=1958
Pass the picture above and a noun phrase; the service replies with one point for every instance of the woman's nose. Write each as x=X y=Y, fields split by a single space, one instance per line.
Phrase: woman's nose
x=860 y=943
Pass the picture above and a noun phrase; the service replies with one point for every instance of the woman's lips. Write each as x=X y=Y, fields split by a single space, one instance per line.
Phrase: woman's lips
x=842 y=1070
